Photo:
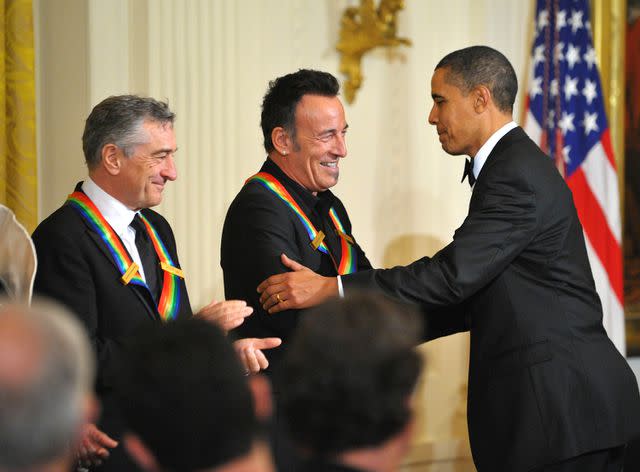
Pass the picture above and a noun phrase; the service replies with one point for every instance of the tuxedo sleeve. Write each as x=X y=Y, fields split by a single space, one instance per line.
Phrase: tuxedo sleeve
x=502 y=221
x=257 y=230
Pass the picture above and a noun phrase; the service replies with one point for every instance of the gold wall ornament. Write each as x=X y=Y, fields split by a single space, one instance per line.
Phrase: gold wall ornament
x=362 y=29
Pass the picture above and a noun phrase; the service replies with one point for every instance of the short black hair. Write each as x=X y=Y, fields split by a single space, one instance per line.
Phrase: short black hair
x=118 y=119
x=182 y=390
x=284 y=93
x=482 y=65
x=349 y=372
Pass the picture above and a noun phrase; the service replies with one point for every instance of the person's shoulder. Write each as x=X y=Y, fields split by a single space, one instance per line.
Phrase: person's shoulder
x=254 y=196
x=64 y=220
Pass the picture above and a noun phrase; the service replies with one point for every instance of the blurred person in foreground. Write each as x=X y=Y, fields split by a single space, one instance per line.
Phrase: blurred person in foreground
x=350 y=373
x=46 y=376
x=189 y=405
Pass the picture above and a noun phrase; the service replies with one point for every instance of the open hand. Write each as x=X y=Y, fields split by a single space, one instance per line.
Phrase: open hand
x=94 y=446
x=227 y=314
x=249 y=351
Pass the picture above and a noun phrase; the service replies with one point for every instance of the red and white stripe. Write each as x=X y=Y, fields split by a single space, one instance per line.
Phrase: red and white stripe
x=595 y=194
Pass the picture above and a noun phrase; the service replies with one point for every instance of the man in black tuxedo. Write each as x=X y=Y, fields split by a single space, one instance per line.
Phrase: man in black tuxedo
x=113 y=261
x=548 y=391
x=304 y=129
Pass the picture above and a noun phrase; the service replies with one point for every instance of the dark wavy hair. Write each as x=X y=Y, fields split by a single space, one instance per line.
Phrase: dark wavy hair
x=182 y=390
x=482 y=65
x=349 y=372
x=282 y=97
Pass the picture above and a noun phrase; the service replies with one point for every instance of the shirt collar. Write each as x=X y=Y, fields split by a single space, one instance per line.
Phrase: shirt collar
x=114 y=211
x=481 y=156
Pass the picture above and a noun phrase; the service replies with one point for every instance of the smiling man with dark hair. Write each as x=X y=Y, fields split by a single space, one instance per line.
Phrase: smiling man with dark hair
x=287 y=206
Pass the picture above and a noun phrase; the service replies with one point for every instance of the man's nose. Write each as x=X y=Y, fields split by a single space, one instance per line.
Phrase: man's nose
x=169 y=170
x=433 y=118
x=341 y=146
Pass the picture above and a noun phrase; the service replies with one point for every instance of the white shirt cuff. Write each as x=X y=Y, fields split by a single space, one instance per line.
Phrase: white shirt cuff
x=340 y=289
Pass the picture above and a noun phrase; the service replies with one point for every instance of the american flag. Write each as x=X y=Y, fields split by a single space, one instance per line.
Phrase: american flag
x=565 y=116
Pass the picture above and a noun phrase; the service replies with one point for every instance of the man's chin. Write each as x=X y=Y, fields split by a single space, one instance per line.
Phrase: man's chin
x=329 y=183
x=452 y=152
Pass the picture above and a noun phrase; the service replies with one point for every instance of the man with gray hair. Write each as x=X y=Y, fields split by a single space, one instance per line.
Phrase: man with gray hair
x=46 y=373
x=111 y=259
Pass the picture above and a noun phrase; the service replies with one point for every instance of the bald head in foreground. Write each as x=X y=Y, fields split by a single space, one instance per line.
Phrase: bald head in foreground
x=46 y=376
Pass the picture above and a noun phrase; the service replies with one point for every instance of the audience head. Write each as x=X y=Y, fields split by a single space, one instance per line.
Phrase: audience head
x=349 y=375
x=46 y=377
x=185 y=398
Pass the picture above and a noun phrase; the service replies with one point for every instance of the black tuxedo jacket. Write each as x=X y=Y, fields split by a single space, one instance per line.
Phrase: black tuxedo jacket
x=259 y=227
x=76 y=269
x=545 y=381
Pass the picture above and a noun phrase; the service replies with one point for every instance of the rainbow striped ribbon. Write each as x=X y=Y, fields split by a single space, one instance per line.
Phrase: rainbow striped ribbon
x=347 y=263
x=169 y=302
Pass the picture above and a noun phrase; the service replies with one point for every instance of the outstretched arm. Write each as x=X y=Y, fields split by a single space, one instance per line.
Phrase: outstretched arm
x=301 y=288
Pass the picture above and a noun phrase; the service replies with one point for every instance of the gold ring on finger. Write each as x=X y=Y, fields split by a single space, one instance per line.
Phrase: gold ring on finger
x=278 y=298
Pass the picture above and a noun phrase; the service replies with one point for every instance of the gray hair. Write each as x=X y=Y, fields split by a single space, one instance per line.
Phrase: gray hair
x=41 y=411
x=118 y=120
x=482 y=65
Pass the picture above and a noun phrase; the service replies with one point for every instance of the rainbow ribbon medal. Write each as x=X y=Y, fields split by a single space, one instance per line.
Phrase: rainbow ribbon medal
x=347 y=264
x=169 y=302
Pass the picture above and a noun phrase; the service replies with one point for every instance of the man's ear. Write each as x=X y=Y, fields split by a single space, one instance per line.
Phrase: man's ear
x=481 y=98
x=139 y=452
x=261 y=391
x=281 y=140
x=111 y=158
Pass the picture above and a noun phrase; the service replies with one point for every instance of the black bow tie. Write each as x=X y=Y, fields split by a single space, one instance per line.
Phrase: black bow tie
x=468 y=172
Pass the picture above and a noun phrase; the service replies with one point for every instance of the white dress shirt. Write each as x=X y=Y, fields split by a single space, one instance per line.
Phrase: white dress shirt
x=118 y=216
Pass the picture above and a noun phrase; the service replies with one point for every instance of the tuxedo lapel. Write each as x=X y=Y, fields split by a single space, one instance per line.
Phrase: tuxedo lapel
x=512 y=137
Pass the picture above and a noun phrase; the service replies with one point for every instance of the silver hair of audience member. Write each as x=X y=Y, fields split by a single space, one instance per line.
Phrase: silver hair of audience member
x=41 y=419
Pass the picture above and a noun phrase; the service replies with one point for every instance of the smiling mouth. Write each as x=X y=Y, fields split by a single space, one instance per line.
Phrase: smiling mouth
x=330 y=165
